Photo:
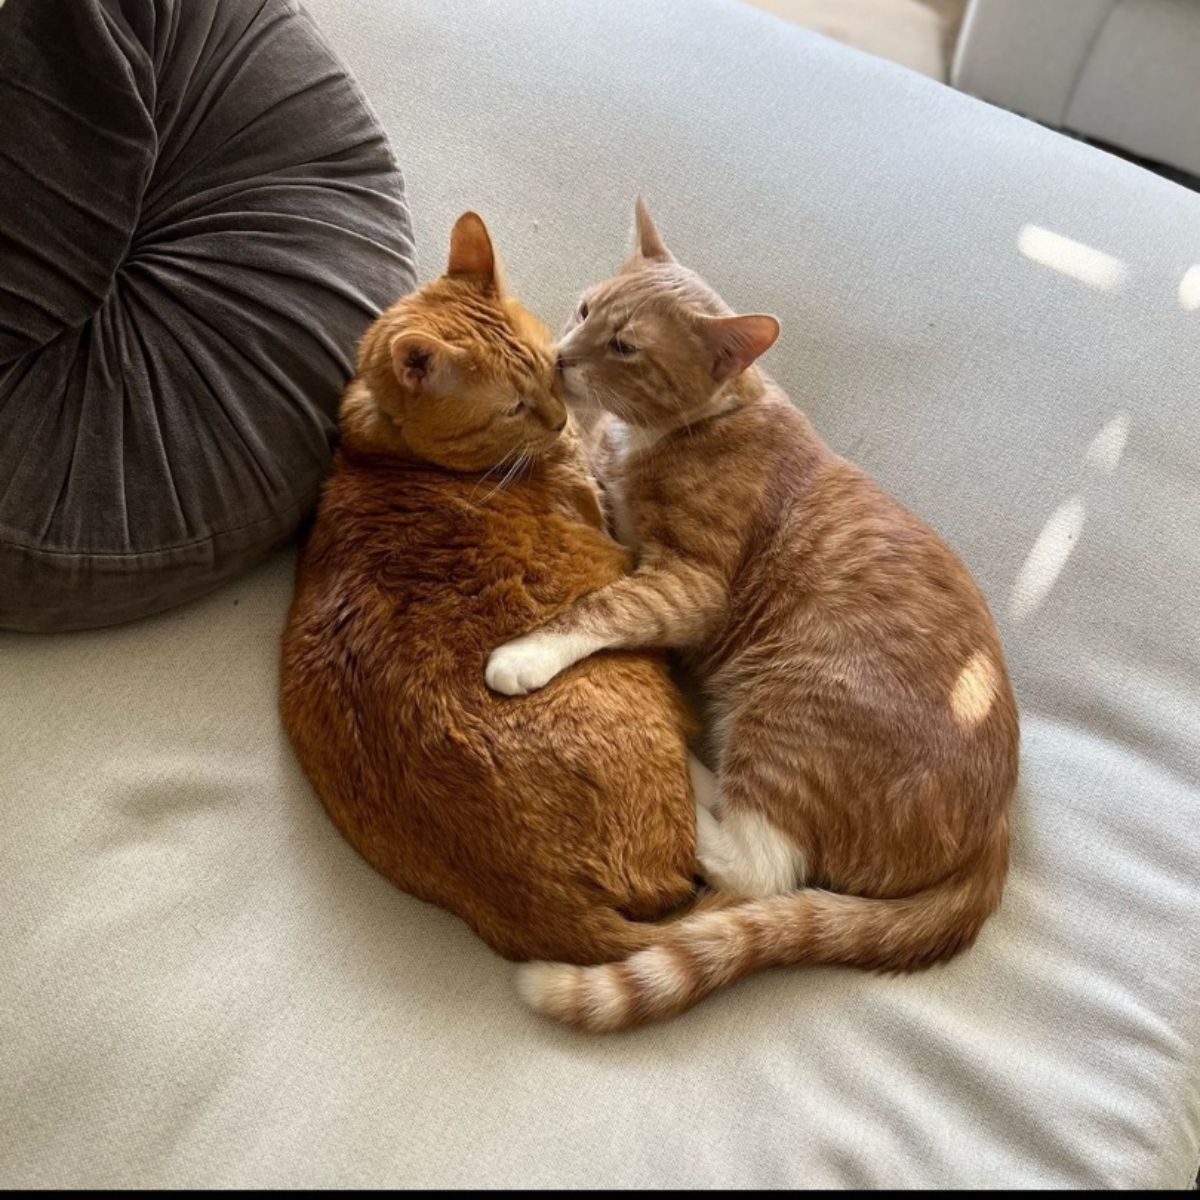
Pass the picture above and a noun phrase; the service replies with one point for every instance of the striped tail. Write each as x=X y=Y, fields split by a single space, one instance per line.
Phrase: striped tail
x=708 y=950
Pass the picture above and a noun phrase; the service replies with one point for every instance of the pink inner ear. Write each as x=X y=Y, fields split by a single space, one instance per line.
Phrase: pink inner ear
x=738 y=341
x=416 y=360
x=423 y=362
x=412 y=359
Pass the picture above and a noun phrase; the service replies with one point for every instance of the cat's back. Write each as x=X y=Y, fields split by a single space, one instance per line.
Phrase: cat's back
x=410 y=576
x=416 y=553
x=843 y=597
x=484 y=804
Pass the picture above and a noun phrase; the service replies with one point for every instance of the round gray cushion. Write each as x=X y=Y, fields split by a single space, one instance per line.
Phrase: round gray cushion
x=200 y=216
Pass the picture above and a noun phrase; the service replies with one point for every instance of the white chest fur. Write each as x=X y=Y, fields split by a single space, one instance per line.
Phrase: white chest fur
x=625 y=442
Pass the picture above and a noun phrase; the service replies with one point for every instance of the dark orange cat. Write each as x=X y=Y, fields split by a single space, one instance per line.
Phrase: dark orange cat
x=459 y=513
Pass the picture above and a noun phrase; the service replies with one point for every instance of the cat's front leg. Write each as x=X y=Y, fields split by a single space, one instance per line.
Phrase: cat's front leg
x=530 y=662
x=673 y=603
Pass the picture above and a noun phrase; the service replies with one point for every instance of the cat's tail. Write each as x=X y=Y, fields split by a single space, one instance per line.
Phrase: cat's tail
x=708 y=950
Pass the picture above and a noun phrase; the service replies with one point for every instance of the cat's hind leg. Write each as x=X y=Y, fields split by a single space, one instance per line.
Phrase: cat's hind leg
x=705 y=787
x=747 y=853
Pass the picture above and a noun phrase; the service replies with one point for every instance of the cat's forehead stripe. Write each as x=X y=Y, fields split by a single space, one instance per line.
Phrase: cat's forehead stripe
x=487 y=317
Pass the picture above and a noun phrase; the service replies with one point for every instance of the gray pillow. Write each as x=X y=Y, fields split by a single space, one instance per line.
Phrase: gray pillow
x=198 y=217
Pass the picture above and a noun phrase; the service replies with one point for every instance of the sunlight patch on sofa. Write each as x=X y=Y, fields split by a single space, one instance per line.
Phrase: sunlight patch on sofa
x=1106 y=448
x=1069 y=257
x=1189 y=289
x=1046 y=559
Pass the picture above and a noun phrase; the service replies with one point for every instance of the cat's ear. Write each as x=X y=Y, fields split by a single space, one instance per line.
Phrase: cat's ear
x=735 y=342
x=424 y=363
x=471 y=251
x=648 y=245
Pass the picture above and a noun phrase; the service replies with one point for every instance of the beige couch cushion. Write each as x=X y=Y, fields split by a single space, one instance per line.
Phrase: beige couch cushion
x=910 y=32
x=201 y=984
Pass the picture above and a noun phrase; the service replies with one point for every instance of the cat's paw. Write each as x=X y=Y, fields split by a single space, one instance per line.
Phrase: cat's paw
x=525 y=665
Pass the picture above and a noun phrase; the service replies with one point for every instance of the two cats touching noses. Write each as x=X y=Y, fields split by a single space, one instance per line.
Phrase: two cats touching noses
x=513 y=536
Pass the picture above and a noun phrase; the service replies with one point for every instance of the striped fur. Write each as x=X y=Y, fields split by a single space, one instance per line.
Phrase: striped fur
x=860 y=714
x=707 y=951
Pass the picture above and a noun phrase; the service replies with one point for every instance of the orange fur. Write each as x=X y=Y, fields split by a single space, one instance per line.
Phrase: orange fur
x=862 y=717
x=458 y=512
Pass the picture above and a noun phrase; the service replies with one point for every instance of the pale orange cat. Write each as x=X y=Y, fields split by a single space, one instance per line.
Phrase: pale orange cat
x=863 y=725
x=458 y=512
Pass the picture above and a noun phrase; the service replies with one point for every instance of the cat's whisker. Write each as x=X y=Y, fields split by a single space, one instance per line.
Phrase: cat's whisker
x=519 y=463
x=492 y=470
x=606 y=401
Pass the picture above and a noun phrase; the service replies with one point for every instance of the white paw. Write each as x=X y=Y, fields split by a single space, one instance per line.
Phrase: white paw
x=523 y=666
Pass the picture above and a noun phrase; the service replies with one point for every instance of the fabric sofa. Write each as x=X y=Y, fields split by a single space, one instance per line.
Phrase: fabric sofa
x=202 y=985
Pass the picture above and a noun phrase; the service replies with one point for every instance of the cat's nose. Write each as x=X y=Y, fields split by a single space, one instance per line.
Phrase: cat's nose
x=551 y=412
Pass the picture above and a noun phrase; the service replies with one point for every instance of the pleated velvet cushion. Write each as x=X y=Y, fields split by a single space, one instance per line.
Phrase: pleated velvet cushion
x=199 y=216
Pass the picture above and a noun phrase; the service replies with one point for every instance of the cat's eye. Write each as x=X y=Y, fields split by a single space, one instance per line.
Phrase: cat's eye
x=513 y=409
x=621 y=347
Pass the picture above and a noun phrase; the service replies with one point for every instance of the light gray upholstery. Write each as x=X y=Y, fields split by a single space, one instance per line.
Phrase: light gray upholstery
x=200 y=983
